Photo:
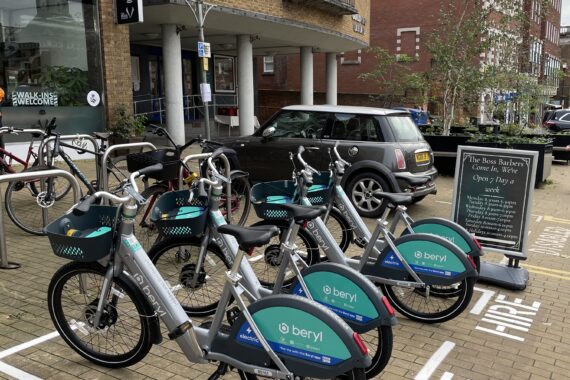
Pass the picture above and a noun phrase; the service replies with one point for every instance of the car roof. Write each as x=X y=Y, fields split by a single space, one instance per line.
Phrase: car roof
x=344 y=109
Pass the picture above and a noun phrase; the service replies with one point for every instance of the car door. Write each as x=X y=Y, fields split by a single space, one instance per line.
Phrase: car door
x=563 y=123
x=268 y=157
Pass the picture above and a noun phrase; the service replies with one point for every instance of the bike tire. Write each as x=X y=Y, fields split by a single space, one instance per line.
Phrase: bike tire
x=240 y=201
x=340 y=229
x=264 y=259
x=355 y=374
x=172 y=257
x=145 y=229
x=134 y=312
x=438 y=313
x=22 y=207
x=33 y=187
x=380 y=357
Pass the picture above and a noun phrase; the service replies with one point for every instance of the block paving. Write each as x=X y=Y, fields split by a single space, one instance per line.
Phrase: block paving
x=476 y=354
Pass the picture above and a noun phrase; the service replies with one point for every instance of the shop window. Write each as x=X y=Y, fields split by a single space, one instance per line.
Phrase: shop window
x=49 y=52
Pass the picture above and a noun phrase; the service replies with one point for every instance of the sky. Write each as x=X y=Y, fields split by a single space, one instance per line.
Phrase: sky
x=565 y=13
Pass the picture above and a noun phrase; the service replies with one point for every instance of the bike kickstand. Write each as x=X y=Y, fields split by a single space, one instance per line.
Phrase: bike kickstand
x=221 y=371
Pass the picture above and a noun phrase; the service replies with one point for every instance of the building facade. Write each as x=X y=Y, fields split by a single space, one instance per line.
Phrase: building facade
x=56 y=52
x=403 y=28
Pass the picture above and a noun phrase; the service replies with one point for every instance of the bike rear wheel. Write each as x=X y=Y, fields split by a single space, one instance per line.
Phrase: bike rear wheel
x=340 y=229
x=240 y=203
x=26 y=207
x=123 y=336
x=419 y=305
x=145 y=229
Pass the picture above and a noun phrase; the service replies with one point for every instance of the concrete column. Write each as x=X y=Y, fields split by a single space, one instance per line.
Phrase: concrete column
x=331 y=79
x=307 y=75
x=172 y=59
x=245 y=84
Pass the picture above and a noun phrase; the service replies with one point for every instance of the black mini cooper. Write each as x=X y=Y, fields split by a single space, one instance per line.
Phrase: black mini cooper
x=386 y=149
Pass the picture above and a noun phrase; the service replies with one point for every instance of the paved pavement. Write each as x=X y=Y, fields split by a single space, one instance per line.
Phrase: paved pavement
x=502 y=335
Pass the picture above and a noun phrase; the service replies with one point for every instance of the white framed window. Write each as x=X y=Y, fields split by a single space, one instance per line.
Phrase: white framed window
x=268 y=64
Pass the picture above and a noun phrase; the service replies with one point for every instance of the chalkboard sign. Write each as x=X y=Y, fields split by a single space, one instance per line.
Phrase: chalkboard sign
x=492 y=195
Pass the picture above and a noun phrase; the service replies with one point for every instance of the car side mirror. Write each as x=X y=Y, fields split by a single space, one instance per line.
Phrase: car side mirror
x=268 y=132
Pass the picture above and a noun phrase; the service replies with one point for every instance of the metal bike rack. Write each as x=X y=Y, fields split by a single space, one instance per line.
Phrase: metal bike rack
x=200 y=156
x=104 y=185
x=46 y=142
x=4 y=263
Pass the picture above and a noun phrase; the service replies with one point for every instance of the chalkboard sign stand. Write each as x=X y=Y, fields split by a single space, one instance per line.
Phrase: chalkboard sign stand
x=509 y=276
x=492 y=196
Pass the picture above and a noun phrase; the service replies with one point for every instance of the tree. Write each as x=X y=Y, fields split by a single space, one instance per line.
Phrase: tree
x=456 y=46
x=395 y=78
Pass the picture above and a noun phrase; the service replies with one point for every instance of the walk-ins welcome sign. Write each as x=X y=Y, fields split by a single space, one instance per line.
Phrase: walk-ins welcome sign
x=492 y=196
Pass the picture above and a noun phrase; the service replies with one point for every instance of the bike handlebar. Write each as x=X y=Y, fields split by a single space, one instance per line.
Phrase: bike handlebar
x=303 y=162
x=338 y=157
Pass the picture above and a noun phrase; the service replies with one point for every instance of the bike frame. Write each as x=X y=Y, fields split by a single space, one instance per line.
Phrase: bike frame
x=24 y=162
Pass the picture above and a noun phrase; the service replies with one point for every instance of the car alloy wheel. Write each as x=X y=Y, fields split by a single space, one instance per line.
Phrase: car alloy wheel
x=363 y=195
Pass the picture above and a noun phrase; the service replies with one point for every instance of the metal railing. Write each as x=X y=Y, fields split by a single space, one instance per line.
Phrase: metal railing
x=43 y=174
x=154 y=108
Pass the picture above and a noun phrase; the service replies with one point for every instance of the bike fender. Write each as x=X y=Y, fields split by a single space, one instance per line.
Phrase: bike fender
x=450 y=231
x=370 y=165
x=311 y=340
x=346 y=292
x=155 y=333
x=435 y=260
x=238 y=173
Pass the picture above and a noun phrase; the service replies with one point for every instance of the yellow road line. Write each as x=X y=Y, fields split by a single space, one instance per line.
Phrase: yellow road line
x=543 y=269
x=549 y=274
x=549 y=218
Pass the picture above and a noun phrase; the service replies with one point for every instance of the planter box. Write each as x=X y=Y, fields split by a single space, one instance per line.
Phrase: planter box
x=445 y=153
x=560 y=150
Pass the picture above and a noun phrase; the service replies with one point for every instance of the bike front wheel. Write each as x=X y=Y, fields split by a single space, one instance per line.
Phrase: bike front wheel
x=123 y=335
x=419 y=304
x=198 y=290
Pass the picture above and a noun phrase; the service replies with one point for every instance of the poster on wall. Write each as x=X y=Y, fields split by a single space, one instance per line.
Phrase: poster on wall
x=224 y=74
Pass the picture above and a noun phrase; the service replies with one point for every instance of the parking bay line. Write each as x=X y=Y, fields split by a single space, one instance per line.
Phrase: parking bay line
x=436 y=359
x=16 y=373
x=31 y=343
x=544 y=269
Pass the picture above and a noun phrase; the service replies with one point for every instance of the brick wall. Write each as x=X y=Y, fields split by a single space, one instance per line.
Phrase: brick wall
x=116 y=56
x=305 y=14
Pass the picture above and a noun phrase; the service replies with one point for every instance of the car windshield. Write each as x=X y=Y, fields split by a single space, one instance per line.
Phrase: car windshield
x=404 y=129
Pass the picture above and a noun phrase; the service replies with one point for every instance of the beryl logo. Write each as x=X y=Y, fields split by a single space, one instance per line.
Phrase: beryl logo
x=350 y=297
x=418 y=255
x=430 y=256
x=284 y=328
x=313 y=336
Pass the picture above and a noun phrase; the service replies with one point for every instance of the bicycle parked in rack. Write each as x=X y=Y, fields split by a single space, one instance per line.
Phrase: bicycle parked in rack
x=112 y=318
x=193 y=264
x=426 y=277
x=169 y=180
x=32 y=204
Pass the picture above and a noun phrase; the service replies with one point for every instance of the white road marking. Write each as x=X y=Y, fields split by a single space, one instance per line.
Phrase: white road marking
x=29 y=344
x=482 y=301
x=435 y=360
x=539 y=218
x=16 y=373
x=444 y=202
x=447 y=376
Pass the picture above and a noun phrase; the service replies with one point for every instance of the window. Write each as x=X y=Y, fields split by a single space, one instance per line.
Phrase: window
x=268 y=64
x=299 y=124
x=354 y=127
x=49 y=53
x=566 y=117
x=404 y=129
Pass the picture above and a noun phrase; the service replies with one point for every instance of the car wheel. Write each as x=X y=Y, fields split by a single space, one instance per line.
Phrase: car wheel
x=362 y=190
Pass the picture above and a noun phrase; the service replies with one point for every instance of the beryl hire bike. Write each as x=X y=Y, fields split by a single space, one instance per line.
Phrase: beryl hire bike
x=425 y=277
x=341 y=212
x=107 y=304
x=193 y=265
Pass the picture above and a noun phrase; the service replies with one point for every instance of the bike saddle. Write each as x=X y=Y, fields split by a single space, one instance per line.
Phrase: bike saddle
x=396 y=199
x=102 y=135
x=301 y=213
x=249 y=237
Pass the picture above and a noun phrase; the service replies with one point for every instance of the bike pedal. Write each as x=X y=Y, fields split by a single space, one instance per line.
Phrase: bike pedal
x=232 y=314
x=95 y=184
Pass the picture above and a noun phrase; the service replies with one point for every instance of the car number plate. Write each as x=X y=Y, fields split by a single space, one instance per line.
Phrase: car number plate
x=422 y=157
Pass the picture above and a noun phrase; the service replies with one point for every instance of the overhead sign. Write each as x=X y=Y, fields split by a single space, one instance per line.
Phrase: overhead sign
x=204 y=50
x=492 y=196
x=129 y=11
